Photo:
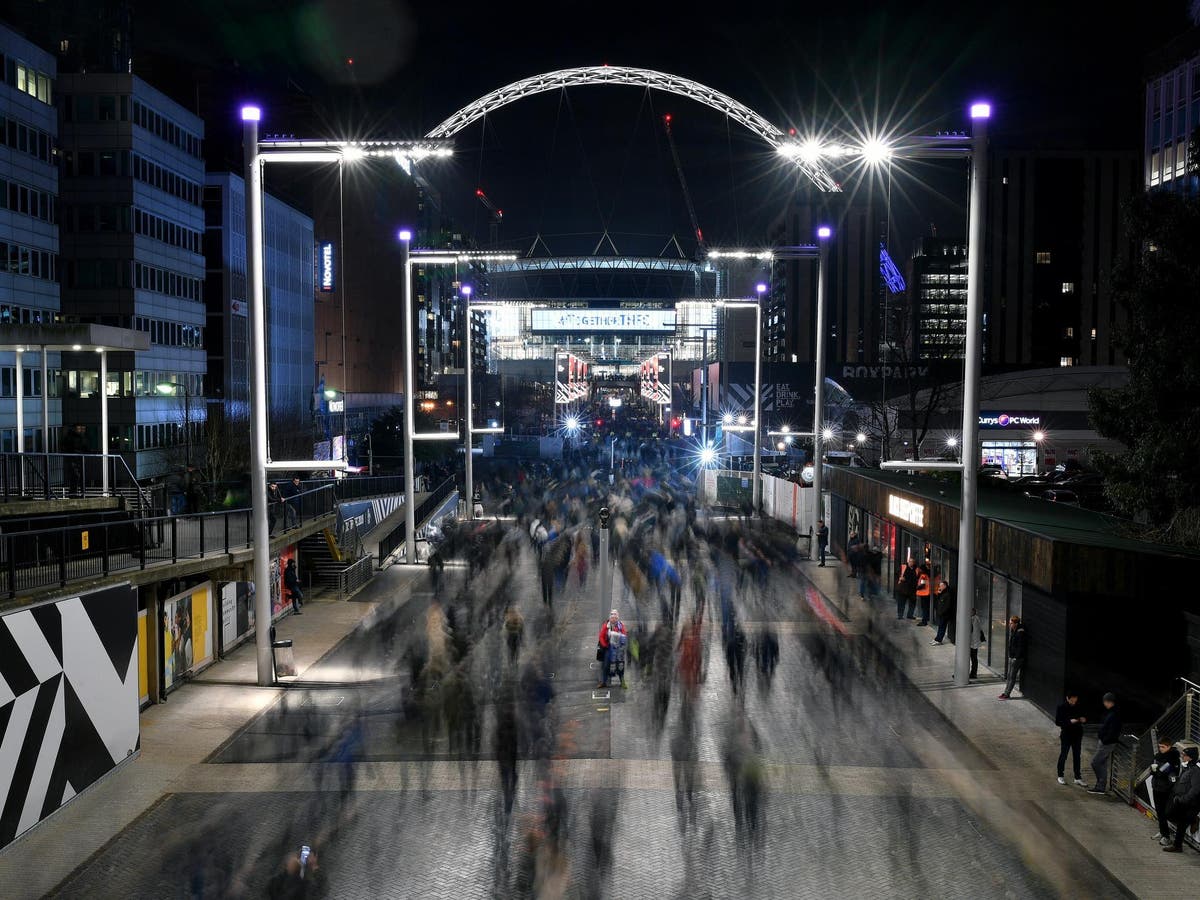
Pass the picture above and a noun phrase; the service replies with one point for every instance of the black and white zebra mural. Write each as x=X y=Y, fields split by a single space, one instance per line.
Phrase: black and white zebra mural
x=68 y=701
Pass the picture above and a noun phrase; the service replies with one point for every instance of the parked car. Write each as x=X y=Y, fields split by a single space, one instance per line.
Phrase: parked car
x=992 y=470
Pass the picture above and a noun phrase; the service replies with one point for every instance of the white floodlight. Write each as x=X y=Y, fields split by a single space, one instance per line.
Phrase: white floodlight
x=875 y=151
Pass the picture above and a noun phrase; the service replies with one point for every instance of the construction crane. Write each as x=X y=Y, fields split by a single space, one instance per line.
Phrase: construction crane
x=497 y=216
x=701 y=244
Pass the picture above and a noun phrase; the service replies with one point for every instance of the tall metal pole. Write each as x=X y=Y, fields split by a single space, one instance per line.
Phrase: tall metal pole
x=818 y=428
x=970 y=421
x=704 y=390
x=103 y=422
x=19 y=386
x=469 y=438
x=45 y=403
x=258 y=397
x=187 y=428
x=410 y=490
x=756 y=487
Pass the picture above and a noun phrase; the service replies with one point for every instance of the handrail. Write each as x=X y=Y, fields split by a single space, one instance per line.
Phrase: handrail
x=390 y=542
x=57 y=556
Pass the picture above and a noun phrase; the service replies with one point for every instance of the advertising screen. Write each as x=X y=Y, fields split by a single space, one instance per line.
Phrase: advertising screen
x=603 y=320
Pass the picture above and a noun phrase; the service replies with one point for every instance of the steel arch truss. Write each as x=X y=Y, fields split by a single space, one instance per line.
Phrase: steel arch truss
x=631 y=77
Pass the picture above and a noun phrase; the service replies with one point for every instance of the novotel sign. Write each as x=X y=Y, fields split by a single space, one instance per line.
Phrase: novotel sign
x=1010 y=420
x=325 y=266
x=603 y=320
x=906 y=510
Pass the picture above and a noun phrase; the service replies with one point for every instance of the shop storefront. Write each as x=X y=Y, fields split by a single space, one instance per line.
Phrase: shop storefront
x=1072 y=575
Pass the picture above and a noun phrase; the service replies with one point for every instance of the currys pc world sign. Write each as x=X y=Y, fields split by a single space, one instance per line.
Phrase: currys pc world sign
x=325 y=267
x=1009 y=420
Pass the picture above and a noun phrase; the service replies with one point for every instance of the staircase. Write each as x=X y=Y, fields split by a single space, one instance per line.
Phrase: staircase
x=338 y=566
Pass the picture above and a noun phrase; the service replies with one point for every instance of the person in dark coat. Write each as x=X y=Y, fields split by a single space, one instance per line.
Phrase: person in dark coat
x=1185 y=799
x=822 y=540
x=945 y=607
x=906 y=590
x=291 y=581
x=1110 y=731
x=1018 y=648
x=1070 y=735
x=1164 y=772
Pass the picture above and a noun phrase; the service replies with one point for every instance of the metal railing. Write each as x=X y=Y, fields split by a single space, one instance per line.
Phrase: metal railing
x=390 y=542
x=57 y=556
x=355 y=575
x=1134 y=753
x=58 y=476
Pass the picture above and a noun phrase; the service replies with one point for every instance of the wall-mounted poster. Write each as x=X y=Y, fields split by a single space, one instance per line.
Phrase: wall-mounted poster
x=187 y=633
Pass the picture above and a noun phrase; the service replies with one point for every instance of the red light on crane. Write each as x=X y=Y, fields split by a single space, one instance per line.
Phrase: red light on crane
x=667 y=117
x=478 y=192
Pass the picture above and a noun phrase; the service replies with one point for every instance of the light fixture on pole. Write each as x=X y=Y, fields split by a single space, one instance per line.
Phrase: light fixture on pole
x=824 y=233
x=411 y=258
x=976 y=148
x=171 y=389
x=469 y=438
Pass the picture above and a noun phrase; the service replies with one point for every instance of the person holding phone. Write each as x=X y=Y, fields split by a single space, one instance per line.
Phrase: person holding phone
x=1070 y=735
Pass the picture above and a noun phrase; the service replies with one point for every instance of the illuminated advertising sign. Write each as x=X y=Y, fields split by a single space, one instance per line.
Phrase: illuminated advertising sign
x=1009 y=420
x=906 y=510
x=325 y=266
x=603 y=320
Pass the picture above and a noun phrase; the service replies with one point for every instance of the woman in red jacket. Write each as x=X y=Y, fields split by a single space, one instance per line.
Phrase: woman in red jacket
x=611 y=646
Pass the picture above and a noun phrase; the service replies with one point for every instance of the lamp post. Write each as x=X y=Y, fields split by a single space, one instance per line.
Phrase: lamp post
x=823 y=235
x=410 y=386
x=980 y=112
x=756 y=490
x=170 y=389
x=469 y=439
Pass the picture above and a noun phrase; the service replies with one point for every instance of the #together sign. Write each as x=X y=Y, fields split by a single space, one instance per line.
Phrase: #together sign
x=603 y=320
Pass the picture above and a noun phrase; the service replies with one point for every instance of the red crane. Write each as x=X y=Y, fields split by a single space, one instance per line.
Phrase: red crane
x=496 y=217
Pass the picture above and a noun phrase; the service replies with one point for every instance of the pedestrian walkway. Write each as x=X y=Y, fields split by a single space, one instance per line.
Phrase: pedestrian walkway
x=1021 y=741
x=176 y=738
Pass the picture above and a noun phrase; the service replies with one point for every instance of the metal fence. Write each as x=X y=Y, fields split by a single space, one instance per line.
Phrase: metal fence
x=57 y=556
x=57 y=476
x=1134 y=753
x=390 y=542
x=354 y=576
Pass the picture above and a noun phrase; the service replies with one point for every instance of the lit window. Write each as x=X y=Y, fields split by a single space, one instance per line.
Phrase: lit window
x=1068 y=287
x=1070 y=332
x=1093 y=334
x=1066 y=361
x=1042 y=257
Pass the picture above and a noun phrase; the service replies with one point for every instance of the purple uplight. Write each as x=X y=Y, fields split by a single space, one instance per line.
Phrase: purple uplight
x=251 y=114
x=981 y=110
x=466 y=290
x=824 y=232
x=761 y=288
x=404 y=234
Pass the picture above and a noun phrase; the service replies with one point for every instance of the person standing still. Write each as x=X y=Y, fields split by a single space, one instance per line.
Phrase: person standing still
x=291 y=580
x=924 y=587
x=822 y=540
x=906 y=590
x=1164 y=772
x=1110 y=730
x=978 y=636
x=1070 y=735
x=1018 y=647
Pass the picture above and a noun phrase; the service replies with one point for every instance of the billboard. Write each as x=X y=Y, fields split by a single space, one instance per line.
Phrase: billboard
x=187 y=633
x=602 y=320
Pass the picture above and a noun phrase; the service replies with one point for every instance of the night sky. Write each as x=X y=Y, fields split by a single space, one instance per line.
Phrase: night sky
x=1059 y=75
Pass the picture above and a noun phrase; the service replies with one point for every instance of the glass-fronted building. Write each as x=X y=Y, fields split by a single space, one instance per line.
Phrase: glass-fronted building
x=29 y=247
x=132 y=173
x=290 y=270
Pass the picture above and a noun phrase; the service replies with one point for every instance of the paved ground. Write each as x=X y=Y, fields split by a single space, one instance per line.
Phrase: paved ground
x=882 y=781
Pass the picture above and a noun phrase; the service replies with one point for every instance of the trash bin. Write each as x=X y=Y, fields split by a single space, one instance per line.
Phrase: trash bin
x=285 y=662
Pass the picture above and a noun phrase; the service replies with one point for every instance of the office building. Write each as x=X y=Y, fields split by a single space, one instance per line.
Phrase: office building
x=937 y=300
x=291 y=280
x=1172 y=114
x=131 y=223
x=1054 y=232
x=29 y=244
